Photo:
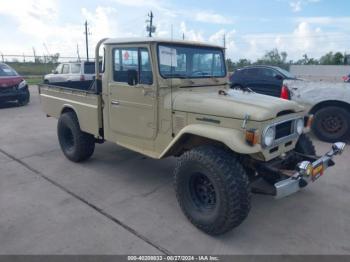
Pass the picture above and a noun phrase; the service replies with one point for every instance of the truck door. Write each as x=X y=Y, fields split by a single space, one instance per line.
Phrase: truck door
x=132 y=93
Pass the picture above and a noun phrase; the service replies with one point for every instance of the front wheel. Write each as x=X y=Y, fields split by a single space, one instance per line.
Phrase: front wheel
x=24 y=99
x=305 y=146
x=332 y=124
x=76 y=145
x=212 y=189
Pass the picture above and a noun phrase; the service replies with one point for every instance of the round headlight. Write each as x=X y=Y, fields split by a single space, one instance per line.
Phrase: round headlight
x=300 y=126
x=269 y=136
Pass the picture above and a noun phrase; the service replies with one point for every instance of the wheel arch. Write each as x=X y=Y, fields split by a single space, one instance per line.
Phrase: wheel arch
x=324 y=104
x=196 y=135
x=68 y=108
x=188 y=141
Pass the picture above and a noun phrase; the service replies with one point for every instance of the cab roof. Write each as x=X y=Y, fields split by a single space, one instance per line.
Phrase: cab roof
x=111 y=41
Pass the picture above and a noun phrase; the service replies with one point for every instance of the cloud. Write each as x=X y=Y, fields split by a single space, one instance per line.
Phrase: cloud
x=208 y=17
x=297 y=5
x=306 y=38
x=35 y=22
x=218 y=39
x=191 y=34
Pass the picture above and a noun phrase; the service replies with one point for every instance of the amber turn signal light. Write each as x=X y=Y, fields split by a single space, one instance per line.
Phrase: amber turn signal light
x=309 y=121
x=252 y=137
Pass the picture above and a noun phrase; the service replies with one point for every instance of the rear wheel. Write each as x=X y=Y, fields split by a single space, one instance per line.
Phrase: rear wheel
x=212 y=189
x=331 y=124
x=76 y=145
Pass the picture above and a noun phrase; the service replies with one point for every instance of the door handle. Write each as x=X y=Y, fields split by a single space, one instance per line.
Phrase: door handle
x=115 y=103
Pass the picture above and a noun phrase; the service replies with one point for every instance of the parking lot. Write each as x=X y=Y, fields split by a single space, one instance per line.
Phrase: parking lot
x=120 y=202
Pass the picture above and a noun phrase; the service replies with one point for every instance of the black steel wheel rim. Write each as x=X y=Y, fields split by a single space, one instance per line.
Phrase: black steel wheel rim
x=333 y=123
x=68 y=138
x=202 y=192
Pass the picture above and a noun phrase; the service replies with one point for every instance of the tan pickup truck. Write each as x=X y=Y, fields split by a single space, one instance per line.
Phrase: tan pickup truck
x=166 y=98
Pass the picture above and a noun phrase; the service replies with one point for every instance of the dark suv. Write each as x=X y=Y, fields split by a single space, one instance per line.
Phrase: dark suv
x=267 y=80
x=12 y=86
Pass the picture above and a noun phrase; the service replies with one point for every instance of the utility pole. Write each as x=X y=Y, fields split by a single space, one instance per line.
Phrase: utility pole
x=2 y=57
x=87 y=41
x=150 y=28
x=224 y=39
x=35 y=58
x=78 y=53
x=183 y=36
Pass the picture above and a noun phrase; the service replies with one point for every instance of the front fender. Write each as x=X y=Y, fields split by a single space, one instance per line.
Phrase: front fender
x=232 y=138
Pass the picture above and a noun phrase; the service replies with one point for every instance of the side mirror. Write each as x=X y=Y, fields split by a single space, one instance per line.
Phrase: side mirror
x=132 y=77
x=54 y=72
x=279 y=77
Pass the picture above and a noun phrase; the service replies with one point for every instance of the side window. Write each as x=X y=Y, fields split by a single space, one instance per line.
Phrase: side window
x=132 y=66
x=252 y=72
x=267 y=73
x=75 y=68
x=59 y=69
x=218 y=66
x=126 y=65
x=65 y=69
x=146 y=76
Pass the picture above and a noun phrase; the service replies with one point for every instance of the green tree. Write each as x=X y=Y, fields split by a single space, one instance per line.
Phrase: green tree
x=274 y=57
x=242 y=63
x=230 y=65
x=307 y=61
x=338 y=58
x=332 y=59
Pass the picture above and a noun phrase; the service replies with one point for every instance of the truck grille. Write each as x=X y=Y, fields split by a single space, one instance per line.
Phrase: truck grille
x=284 y=129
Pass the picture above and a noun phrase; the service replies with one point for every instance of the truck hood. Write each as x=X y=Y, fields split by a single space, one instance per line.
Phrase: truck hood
x=236 y=104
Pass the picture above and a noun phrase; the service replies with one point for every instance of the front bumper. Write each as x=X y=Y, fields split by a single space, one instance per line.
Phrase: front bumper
x=297 y=180
x=14 y=94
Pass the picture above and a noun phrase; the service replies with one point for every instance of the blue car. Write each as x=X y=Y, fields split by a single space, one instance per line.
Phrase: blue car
x=267 y=80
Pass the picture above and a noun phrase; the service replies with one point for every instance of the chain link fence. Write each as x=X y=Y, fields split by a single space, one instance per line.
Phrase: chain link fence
x=33 y=68
x=30 y=65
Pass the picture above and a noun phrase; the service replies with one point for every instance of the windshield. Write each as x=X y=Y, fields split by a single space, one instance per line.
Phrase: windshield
x=180 y=61
x=7 y=71
x=286 y=73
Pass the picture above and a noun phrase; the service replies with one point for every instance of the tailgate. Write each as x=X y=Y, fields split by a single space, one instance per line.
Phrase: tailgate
x=85 y=104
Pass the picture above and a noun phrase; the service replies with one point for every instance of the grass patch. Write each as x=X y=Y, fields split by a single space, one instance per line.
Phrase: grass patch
x=31 y=68
x=34 y=80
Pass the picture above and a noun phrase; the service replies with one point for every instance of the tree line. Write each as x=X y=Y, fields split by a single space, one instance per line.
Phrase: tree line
x=276 y=58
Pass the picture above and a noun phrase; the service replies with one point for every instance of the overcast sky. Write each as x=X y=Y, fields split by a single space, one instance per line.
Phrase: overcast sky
x=251 y=26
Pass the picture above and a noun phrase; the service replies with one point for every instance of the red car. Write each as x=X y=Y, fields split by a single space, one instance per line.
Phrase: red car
x=12 y=86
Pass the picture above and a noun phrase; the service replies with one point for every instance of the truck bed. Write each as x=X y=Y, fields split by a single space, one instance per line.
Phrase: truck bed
x=86 y=104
